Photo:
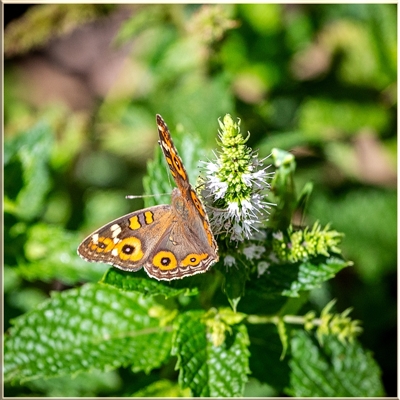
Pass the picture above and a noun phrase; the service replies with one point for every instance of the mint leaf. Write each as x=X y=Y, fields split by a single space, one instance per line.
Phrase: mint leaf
x=93 y=327
x=314 y=272
x=333 y=370
x=290 y=279
x=215 y=371
x=140 y=282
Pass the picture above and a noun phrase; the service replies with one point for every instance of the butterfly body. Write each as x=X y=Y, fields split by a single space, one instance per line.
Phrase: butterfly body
x=169 y=241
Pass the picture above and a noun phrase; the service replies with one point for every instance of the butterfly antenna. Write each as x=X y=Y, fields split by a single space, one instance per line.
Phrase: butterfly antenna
x=132 y=196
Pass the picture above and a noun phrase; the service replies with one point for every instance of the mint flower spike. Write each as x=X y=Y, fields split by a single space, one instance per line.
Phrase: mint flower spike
x=235 y=185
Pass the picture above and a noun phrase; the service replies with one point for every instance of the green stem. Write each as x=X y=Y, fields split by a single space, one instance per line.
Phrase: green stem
x=274 y=319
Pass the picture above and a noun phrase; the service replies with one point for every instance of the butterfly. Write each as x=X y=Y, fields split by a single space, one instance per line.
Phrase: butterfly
x=169 y=241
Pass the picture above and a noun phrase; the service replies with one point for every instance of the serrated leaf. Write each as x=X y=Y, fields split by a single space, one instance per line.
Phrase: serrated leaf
x=93 y=327
x=312 y=273
x=51 y=252
x=140 y=282
x=215 y=371
x=290 y=279
x=334 y=370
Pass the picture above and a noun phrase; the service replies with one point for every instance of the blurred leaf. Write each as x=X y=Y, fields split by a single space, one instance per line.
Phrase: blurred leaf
x=254 y=388
x=334 y=370
x=162 y=388
x=44 y=22
x=31 y=150
x=103 y=206
x=26 y=298
x=196 y=103
x=368 y=217
x=264 y=18
x=324 y=119
x=11 y=279
x=127 y=130
x=51 y=252
x=79 y=330
x=145 y=16
x=81 y=385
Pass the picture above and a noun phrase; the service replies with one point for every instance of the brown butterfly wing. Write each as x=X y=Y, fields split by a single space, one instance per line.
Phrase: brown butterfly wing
x=169 y=241
x=127 y=242
x=185 y=249
x=189 y=198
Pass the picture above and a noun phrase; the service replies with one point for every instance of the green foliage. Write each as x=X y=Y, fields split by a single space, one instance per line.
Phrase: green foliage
x=210 y=370
x=45 y=23
x=307 y=81
x=79 y=330
x=26 y=156
x=50 y=254
x=334 y=370
x=162 y=388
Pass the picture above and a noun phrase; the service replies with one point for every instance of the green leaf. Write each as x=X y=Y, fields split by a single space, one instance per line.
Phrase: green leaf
x=283 y=188
x=144 y=18
x=311 y=274
x=95 y=327
x=51 y=252
x=235 y=281
x=162 y=388
x=81 y=385
x=290 y=279
x=31 y=150
x=215 y=371
x=322 y=119
x=371 y=242
x=140 y=282
x=45 y=22
x=334 y=370
x=265 y=360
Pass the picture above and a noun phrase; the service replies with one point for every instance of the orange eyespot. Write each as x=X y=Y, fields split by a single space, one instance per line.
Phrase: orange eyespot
x=130 y=249
x=165 y=260
x=193 y=259
x=103 y=245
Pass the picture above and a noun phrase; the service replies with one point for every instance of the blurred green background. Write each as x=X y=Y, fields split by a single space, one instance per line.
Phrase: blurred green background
x=83 y=83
